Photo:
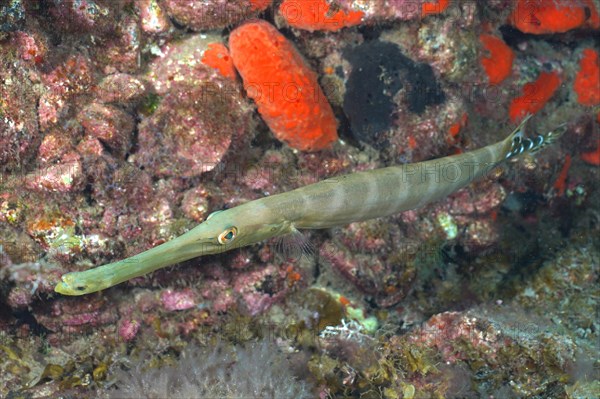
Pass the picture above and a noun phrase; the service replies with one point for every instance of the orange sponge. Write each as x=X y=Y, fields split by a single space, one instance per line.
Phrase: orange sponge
x=535 y=96
x=498 y=65
x=314 y=15
x=435 y=7
x=283 y=87
x=587 y=81
x=548 y=16
x=217 y=57
x=260 y=5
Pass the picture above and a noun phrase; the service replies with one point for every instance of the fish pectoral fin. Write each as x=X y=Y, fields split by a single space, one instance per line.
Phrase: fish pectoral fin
x=294 y=245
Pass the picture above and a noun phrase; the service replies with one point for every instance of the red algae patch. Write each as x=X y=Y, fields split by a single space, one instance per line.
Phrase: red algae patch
x=548 y=16
x=587 y=81
x=283 y=87
x=498 y=64
x=317 y=15
x=535 y=96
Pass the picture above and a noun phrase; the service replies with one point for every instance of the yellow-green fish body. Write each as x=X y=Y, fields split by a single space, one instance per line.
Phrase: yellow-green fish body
x=333 y=202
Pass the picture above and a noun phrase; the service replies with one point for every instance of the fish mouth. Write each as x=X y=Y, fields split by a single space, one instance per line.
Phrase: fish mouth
x=69 y=285
x=63 y=288
x=200 y=241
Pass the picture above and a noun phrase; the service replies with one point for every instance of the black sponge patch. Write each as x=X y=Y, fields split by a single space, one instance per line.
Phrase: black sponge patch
x=379 y=71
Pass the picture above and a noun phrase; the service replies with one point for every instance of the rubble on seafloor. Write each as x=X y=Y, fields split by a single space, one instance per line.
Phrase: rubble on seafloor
x=123 y=124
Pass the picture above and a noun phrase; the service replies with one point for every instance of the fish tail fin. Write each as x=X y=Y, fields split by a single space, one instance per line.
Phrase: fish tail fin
x=519 y=144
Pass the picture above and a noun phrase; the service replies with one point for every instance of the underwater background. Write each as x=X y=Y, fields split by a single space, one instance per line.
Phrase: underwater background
x=125 y=123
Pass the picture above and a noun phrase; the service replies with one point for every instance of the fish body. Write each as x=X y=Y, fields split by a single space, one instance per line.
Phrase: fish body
x=329 y=203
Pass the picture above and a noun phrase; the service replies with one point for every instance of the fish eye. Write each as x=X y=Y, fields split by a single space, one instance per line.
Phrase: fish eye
x=227 y=235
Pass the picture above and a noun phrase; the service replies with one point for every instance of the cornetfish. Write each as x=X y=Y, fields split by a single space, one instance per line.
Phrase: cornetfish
x=329 y=203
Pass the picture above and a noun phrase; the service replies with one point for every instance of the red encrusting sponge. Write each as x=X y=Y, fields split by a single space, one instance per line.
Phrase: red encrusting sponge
x=260 y=5
x=282 y=85
x=317 y=15
x=217 y=57
x=592 y=157
x=587 y=81
x=535 y=96
x=549 y=16
x=498 y=65
x=433 y=8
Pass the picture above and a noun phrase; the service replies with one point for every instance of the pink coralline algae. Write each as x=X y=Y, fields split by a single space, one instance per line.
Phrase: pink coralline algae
x=218 y=292
x=180 y=62
x=178 y=300
x=65 y=176
x=18 y=121
x=198 y=116
x=273 y=172
x=121 y=88
x=444 y=330
x=72 y=77
x=128 y=329
x=383 y=10
x=473 y=211
x=31 y=47
x=84 y=15
x=259 y=289
x=488 y=196
x=206 y=15
x=506 y=340
x=109 y=124
x=153 y=18
x=362 y=256
x=195 y=203
x=54 y=145
x=29 y=280
x=122 y=52
x=191 y=129
x=69 y=316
